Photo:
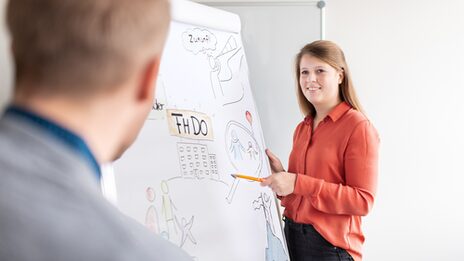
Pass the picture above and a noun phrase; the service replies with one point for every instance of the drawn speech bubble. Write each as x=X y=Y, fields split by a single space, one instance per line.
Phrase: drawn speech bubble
x=199 y=40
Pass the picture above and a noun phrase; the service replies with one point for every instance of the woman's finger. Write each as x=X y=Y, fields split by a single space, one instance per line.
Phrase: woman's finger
x=271 y=155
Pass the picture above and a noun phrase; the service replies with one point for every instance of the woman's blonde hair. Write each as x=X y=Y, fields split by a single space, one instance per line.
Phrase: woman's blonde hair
x=331 y=54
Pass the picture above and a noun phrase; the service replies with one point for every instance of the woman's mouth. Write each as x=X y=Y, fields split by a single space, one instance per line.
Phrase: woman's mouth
x=313 y=89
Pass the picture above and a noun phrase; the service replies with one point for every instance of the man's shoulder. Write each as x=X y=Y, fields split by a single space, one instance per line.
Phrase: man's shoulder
x=27 y=152
x=51 y=208
x=46 y=222
x=18 y=135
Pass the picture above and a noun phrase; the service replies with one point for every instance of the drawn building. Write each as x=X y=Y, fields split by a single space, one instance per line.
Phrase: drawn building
x=195 y=161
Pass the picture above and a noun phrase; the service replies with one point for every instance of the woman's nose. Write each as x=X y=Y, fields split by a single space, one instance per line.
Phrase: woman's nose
x=310 y=77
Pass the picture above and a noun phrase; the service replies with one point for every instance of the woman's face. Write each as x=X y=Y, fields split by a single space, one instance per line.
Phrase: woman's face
x=319 y=82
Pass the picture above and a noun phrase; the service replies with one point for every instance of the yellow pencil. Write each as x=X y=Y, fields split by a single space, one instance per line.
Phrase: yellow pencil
x=247 y=177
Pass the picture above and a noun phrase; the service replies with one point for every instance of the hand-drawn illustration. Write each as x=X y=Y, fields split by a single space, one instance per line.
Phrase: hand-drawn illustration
x=198 y=40
x=186 y=230
x=236 y=146
x=226 y=66
x=233 y=188
x=275 y=250
x=235 y=132
x=206 y=129
x=181 y=227
x=225 y=76
x=252 y=152
x=196 y=163
x=168 y=209
x=264 y=202
x=249 y=118
x=230 y=49
x=151 y=217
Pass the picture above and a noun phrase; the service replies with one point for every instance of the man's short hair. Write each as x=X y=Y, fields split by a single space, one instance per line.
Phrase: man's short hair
x=79 y=47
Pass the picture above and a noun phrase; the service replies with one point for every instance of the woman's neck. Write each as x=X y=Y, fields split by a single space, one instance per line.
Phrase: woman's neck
x=323 y=111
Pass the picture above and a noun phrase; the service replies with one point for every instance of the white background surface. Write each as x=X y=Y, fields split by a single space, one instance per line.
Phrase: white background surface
x=406 y=59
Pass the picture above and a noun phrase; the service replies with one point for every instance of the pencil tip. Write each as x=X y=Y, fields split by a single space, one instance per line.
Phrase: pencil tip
x=233 y=175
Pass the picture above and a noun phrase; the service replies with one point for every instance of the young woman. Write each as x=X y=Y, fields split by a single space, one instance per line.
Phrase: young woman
x=332 y=174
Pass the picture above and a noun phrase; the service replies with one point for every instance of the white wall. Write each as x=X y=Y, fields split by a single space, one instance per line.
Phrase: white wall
x=407 y=62
x=5 y=60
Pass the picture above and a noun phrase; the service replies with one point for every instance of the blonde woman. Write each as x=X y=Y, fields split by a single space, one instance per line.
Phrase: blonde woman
x=332 y=174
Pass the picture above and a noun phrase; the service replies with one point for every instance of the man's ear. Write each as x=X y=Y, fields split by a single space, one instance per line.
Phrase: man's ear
x=147 y=83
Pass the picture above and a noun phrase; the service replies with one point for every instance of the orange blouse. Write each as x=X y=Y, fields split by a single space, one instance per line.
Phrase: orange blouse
x=336 y=167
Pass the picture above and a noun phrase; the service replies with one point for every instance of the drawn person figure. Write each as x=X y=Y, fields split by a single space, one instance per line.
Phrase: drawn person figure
x=251 y=151
x=168 y=208
x=151 y=218
x=186 y=230
x=332 y=173
x=235 y=146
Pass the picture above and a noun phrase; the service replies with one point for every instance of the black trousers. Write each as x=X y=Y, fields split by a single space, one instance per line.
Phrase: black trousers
x=306 y=244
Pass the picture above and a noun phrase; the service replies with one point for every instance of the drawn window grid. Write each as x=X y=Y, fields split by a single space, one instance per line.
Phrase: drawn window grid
x=193 y=159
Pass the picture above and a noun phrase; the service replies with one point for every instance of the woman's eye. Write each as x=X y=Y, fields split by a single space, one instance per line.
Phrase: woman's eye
x=320 y=71
x=304 y=72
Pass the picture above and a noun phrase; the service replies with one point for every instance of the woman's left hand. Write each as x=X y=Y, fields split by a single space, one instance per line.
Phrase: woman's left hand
x=282 y=183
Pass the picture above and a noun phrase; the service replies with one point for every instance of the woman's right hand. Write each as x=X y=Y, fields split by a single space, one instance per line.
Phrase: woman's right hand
x=274 y=162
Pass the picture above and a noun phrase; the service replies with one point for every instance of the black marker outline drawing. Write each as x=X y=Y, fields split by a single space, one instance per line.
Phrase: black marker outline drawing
x=251 y=135
x=236 y=146
x=186 y=35
x=230 y=124
x=221 y=74
x=195 y=162
x=275 y=250
x=251 y=151
x=233 y=188
x=229 y=50
x=186 y=230
x=241 y=83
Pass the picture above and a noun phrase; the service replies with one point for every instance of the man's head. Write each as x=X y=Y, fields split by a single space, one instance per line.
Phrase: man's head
x=79 y=47
x=77 y=50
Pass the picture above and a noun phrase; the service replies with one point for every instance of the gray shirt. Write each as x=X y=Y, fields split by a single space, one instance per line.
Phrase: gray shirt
x=51 y=207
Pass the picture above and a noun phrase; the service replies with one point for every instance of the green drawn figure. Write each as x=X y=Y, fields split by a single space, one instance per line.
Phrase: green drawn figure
x=168 y=208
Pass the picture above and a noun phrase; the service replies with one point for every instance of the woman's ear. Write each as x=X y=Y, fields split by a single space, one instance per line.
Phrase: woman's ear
x=341 y=76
